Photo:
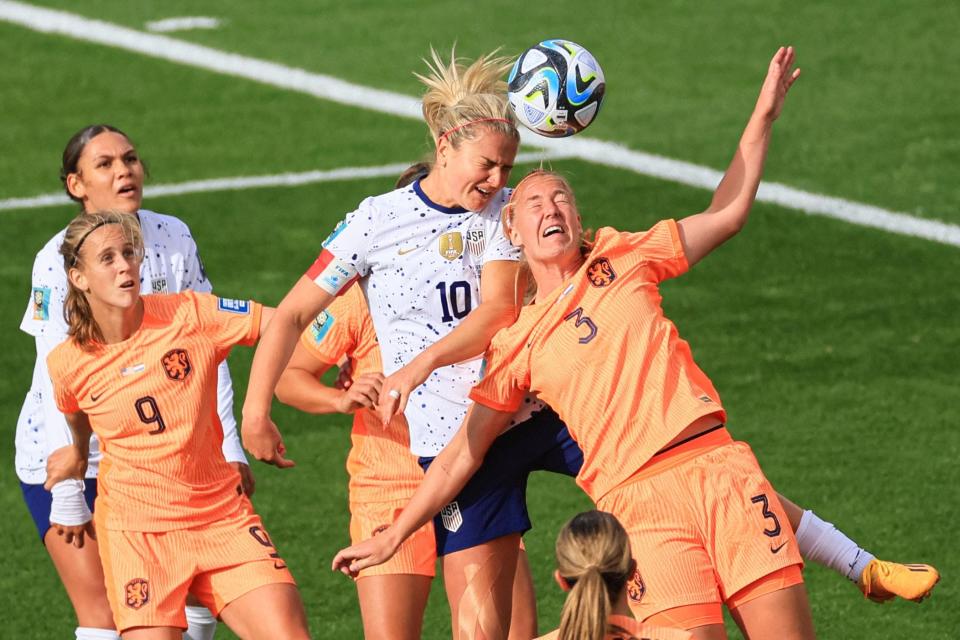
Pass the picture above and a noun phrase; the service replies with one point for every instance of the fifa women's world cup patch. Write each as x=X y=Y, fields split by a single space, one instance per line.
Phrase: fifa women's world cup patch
x=176 y=363
x=136 y=593
x=41 y=303
x=600 y=272
x=450 y=245
x=320 y=326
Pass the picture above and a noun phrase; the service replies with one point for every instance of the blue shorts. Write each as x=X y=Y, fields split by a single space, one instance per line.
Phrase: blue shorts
x=39 y=501
x=494 y=501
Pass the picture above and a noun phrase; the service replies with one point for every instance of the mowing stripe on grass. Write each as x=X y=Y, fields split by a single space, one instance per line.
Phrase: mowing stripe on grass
x=252 y=182
x=336 y=90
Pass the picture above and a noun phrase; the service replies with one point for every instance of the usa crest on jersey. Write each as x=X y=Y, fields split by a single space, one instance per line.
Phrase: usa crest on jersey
x=451 y=245
x=476 y=242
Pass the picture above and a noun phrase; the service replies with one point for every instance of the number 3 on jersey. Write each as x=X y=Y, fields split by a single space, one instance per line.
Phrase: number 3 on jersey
x=455 y=300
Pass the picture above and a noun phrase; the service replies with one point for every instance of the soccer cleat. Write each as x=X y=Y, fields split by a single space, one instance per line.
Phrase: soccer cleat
x=882 y=580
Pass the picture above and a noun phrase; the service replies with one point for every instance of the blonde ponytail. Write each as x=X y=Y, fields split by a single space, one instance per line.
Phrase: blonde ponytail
x=593 y=557
x=459 y=95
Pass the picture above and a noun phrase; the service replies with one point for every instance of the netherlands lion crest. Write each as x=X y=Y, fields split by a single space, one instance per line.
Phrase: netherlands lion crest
x=635 y=587
x=137 y=593
x=177 y=364
x=600 y=272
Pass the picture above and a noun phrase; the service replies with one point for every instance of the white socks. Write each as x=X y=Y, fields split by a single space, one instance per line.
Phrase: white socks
x=89 y=633
x=823 y=543
x=201 y=625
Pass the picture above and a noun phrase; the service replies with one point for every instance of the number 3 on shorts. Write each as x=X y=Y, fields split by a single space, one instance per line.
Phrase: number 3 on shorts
x=762 y=498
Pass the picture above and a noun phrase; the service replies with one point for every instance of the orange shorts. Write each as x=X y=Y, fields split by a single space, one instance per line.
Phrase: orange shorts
x=703 y=523
x=418 y=553
x=149 y=574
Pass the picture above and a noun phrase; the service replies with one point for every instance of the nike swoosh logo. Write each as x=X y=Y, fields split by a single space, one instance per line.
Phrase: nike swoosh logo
x=777 y=549
x=403 y=252
x=94 y=398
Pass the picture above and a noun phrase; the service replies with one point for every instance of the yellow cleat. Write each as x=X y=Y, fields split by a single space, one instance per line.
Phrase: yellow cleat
x=882 y=581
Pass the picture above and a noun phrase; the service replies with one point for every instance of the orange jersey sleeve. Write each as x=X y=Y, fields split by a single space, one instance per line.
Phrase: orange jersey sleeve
x=152 y=401
x=601 y=353
x=344 y=329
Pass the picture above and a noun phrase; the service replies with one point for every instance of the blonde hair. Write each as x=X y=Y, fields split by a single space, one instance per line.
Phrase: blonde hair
x=459 y=95
x=76 y=308
x=593 y=556
x=506 y=220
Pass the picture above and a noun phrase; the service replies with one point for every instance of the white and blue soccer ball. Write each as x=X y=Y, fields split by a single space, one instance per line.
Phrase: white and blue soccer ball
x=555 y=88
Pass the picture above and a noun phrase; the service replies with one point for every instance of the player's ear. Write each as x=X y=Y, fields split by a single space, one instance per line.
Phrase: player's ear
x=443 y=150
x=561 y=581
x=77 y=279
x=75 y=186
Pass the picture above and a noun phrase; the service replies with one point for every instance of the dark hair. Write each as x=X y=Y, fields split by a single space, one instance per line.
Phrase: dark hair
x=74 y=149
x=413 y=173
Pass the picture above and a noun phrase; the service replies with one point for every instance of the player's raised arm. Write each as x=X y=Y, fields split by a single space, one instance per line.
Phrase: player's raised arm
x=448 y=474
x=703 y=232
x=300 y=387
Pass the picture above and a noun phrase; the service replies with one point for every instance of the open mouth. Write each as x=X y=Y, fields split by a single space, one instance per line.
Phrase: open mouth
x=127 y=285
x=127 y=189
x=552 y=230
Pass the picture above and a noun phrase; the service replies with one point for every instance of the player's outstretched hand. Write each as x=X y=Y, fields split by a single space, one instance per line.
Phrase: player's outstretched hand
x=262 y=439
x=397 y=388
x=369 y=553
x=74 y=534
x=364 y=391
x=780 y=77
x=65 y=463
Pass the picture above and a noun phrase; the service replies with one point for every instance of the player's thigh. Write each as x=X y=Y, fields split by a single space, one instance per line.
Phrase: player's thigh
x=82 y=577
x=780 y=615
x=479 y=586
x=523 y=618
x=392 y=606
x=269 y=612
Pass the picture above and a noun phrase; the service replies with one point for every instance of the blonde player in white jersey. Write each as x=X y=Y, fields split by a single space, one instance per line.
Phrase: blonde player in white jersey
x=440 y=279
x=102 y=171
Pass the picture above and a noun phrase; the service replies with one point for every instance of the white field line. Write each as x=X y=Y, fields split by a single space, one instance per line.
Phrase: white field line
x=253 y=182
x=183 y=23
x=336 y=90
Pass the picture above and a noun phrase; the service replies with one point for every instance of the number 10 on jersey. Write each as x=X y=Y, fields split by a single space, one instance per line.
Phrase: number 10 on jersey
x=455 y=300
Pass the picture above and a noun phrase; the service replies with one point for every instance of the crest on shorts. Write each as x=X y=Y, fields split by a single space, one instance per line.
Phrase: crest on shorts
x=136 y=593
x=451 y=517
x=635 y=587
x=600 y=272
x=177 y=364
x=159 y=285
x=451 y=245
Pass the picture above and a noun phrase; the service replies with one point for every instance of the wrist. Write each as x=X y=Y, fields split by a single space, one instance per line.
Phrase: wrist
x=68 y=505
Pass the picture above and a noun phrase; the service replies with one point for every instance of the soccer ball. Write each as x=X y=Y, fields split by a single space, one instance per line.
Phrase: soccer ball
x=555 y=88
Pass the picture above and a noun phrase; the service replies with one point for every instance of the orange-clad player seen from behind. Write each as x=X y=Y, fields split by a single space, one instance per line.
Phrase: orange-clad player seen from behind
x=171 y=518
x=383 y=473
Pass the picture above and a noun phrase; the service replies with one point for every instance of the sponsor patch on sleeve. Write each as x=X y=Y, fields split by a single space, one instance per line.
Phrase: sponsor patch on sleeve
x=41 y=303
x=320 y=326
x=230 y=305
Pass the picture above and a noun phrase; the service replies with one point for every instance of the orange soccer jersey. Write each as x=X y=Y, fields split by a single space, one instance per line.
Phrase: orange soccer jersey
x=152 y=400
x=380 y=464
x=601 y=353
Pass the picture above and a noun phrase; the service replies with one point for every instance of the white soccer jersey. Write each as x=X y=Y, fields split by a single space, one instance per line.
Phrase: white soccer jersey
x=420 y=265
x=170 y=264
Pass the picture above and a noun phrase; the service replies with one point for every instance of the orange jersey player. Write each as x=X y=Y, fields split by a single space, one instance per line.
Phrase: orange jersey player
x=141 y=372
x=705 y=525
x=384 y=474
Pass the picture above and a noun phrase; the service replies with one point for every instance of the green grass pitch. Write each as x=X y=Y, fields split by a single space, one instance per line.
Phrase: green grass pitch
x=835 y=347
